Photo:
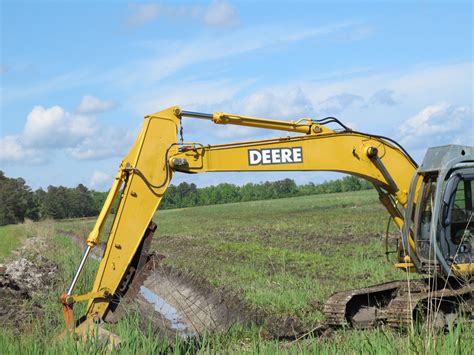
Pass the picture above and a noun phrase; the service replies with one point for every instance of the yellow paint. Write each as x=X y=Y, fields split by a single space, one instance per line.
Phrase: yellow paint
x=463 y=269
x=409 y=267
x=139 y=201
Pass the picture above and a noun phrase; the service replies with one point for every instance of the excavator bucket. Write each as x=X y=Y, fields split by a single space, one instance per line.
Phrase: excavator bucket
x=176 y=304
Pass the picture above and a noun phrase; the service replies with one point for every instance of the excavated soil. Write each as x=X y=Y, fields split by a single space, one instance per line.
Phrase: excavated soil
x=20 y=281
x=12 y=297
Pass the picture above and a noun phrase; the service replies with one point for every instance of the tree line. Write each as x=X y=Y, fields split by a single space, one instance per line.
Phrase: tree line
x=20 y=202
x=188 y=195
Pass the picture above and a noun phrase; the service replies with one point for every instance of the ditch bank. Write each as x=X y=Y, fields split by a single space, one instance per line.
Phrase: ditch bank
x=175 y=303
x=178 y=304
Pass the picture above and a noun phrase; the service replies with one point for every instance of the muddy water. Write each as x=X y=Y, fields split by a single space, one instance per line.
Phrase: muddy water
x=168 y=312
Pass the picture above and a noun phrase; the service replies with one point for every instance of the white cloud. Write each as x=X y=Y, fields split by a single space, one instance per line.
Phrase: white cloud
x=140 y=14
x=105 y=143
x=170 y=57
x=55 y=128
x=195 y=95
x=234 y=132
x=91 y=104
x=303 y=33
x=4 y=69
x=335 y=104
x=426 y=80
x=420 y=84
x=221 y=14
x=438 y=124
x=362 y=32
x=287 y=103
x=54 y=84
x=217 y=13
x=277 y=103
x=383 y=97
x=374 y=102
x=13 y=151
x=100 y=180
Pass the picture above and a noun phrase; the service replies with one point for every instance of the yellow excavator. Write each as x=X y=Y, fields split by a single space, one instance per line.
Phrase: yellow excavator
x=431 y=204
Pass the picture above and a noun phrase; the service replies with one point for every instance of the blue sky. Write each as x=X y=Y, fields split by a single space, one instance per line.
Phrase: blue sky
x=76 y=78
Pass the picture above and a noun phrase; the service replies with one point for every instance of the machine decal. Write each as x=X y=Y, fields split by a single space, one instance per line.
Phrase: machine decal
x=275 y=156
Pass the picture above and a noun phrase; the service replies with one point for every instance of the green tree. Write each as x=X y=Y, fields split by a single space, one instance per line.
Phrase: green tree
x=98 y=199
x=80 y=202
x=351 y=183
x=17 y=201
x=55 y=203
x=284 y=188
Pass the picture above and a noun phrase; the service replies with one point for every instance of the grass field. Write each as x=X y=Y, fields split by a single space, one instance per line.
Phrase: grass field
x=11 y=238
x=284 y=257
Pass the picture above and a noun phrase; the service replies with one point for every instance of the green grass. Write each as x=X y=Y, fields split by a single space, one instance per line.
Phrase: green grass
x=283 y=256
x=11 y=238
x=381 y=341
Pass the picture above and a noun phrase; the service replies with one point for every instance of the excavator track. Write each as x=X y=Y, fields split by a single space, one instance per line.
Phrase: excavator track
x=398 y=304
x=419 y=301
x=339 y=308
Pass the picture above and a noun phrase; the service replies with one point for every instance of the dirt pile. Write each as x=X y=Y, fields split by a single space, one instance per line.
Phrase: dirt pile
x=32 y=278
x=21 y=280
x=11 y=296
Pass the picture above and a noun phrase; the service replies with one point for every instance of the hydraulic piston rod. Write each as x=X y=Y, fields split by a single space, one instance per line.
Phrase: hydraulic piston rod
x=226 y=118
x=79 y=270
x=205 y=116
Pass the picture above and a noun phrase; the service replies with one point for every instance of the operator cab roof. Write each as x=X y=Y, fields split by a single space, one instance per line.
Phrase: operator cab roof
x=436 y=158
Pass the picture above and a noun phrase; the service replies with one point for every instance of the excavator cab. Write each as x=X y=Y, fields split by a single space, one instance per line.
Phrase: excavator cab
x=424 y=217
x=456 y=223
x=443 y=226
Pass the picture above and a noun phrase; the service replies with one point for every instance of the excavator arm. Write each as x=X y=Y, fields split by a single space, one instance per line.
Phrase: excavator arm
x=139 y=200
x=148 y=168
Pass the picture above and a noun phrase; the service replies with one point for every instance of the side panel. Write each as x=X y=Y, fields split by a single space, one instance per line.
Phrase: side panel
x=139 y=200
